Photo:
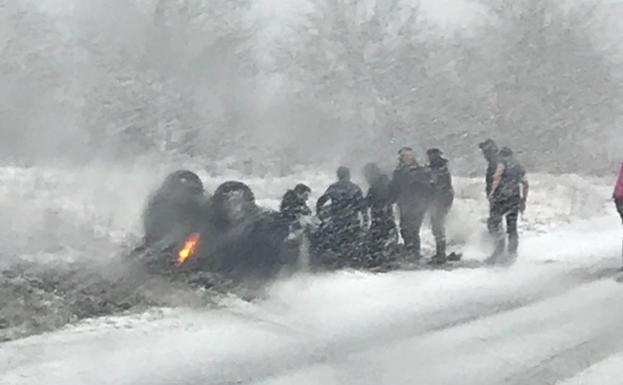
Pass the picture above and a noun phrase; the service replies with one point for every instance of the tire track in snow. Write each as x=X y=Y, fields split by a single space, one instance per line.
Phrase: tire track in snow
x=542 y=343
x=570 y=362
x=416 y=325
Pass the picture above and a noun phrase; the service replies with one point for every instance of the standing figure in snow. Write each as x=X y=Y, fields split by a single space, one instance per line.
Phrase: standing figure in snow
x=343 y=226
x=507 y=200
x=443 y=197
x=382 y=232
x=618 y=199
x=412 y=192
x=490 y=152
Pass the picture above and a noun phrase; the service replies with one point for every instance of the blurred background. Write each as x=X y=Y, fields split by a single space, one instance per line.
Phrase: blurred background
x=302 y=82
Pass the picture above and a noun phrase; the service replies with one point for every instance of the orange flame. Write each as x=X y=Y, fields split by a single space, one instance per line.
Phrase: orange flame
x=188 y=249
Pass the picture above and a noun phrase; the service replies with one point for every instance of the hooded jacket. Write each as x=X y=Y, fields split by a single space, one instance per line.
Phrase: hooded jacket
x=379 y=198
x=509 y=187
x=411 y=188
x=441 y=182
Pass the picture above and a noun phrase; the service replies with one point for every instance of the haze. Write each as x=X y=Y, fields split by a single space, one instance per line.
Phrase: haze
x=302 y=82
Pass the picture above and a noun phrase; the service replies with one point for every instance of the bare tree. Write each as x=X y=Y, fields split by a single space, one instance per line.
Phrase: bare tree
x=181 y=90
x=373 y=66
x=552 y=92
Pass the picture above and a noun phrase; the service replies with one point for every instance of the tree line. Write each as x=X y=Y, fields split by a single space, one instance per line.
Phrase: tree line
x=339 y=79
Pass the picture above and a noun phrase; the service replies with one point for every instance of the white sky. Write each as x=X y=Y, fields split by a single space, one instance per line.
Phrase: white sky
x=449 y=12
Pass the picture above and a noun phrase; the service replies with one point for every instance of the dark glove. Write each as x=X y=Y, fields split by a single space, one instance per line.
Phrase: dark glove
x=522 y=206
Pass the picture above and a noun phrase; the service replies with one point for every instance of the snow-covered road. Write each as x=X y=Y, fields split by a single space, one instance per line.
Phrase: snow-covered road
x=554 y=317
x=535 y=323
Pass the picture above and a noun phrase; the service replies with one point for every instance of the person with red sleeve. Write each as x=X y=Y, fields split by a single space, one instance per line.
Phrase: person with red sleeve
x=617 y=195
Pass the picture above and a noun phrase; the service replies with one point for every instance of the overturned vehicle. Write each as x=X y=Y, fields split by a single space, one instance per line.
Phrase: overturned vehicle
x=188 y=232
x=227 y=233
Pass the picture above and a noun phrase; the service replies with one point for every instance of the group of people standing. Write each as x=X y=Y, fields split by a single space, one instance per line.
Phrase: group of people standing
x=355 y=226
x=350 y=228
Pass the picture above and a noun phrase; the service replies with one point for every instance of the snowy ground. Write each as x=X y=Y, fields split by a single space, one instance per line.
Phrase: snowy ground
x=556 y=317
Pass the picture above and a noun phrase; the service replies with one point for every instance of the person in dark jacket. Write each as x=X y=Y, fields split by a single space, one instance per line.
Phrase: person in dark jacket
x=490 y=152
x=297 y=215
x=382 y=232
x=294 y=203
x=344 y=214
x=508 y=197
x=443 y=197
x=174 y=210
x=412 y=192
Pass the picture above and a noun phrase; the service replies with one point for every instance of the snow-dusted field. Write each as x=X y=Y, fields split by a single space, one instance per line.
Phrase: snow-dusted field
x=556 y=317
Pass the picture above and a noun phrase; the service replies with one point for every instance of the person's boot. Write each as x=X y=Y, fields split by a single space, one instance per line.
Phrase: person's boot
x=411 y=253
x=438 y=260
x=440 y=257
x=513 y=246
x=500 y=245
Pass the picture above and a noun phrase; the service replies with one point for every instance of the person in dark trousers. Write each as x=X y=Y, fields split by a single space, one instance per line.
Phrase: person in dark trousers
x=412 y=192
x=443 y=197
x=344 y=221
x=490 y=152
x=508 y=197
x=382 y=232
x=294 y=203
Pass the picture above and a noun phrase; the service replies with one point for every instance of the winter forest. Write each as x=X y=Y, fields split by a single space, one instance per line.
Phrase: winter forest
x=309 y=81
